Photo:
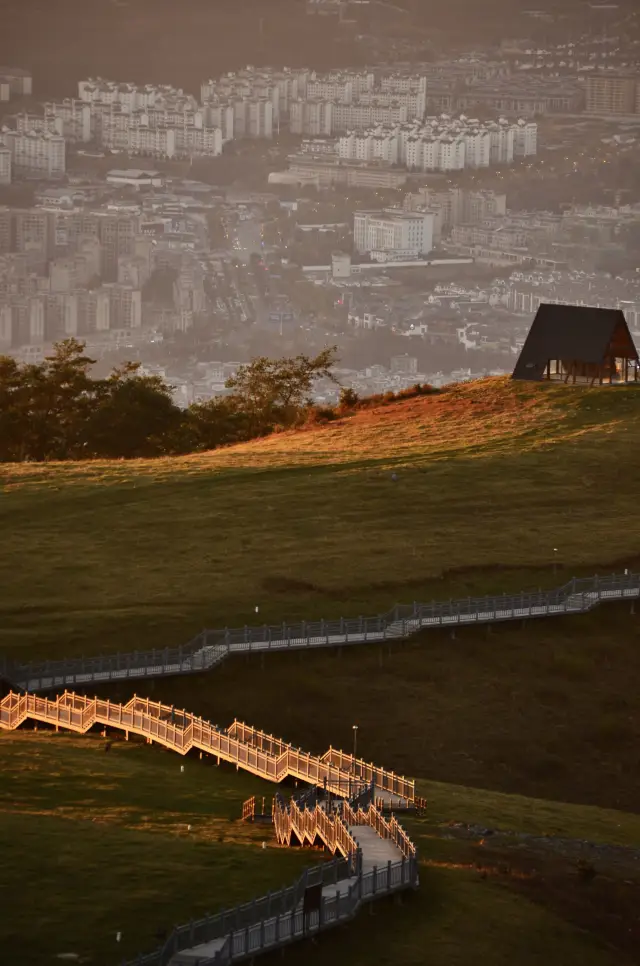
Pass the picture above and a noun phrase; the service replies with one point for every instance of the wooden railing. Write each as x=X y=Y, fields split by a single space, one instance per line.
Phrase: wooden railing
x=249 y=809
x=181 y=731
x=367 y=772
x=269 y=923
x=309 y=825
x=384 y=829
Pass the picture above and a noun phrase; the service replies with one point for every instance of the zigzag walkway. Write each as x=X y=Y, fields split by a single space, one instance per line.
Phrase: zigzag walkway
x=378 y=858
x=241 y=745
x=211 y=647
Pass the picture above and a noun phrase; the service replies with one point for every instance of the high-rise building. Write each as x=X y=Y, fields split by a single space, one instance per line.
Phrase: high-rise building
x=611 y=93
x=6 y=327
x=125 y=306
x=18 y=80
x=31 y=235
x=5 y=165
x=5 y=230
x=117 y=233
x=36 y=154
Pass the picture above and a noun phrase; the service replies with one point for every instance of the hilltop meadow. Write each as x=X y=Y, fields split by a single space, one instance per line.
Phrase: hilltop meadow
x=498 y=487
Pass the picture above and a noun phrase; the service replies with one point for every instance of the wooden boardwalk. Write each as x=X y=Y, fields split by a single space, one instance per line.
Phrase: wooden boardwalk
x=374 y=855
x=245 y=747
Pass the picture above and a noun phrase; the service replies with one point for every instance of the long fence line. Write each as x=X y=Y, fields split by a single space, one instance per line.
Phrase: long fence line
x=211 y=647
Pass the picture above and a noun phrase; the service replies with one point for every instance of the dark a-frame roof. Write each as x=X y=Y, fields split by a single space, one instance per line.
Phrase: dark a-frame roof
x=575 y=333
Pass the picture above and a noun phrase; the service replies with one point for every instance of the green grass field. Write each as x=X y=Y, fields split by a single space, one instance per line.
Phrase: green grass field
x=492 y=477
x=97 y=843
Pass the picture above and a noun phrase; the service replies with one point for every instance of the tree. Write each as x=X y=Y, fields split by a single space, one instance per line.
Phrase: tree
x=13 y=410
x=272 y=392
x=57 y=397
x=134 y=416
x=216 y=422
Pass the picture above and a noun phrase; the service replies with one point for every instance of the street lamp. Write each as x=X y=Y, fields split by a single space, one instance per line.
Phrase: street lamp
x=355 y=742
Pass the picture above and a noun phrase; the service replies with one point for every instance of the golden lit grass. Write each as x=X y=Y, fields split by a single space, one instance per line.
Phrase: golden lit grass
x=491 y=477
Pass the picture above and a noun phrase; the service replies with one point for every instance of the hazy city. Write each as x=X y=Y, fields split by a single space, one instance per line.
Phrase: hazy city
x=310 y=311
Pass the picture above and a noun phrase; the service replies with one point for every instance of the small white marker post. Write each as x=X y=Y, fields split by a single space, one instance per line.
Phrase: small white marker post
x=118 y=937
x=181 y=768
x=257 y=609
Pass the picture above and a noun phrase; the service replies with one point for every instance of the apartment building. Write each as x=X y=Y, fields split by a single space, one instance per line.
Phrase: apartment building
x=5 y=167
x=377 y=144
x=125 y=306
x=611 y=93
x=34 y=154
x=359 y=117
x=393 y=230
x=18 y=81
x=38 y=124
x=131 y=97
x=259 y=119
x=326 y=171
x=117 y=233
x=403 y=83
x=73 y=117
x=220 y=115
x=6 y=221
x=311 y=117
x=30 y=235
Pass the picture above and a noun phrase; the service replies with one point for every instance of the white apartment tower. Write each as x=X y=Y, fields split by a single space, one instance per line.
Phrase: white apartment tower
x=36 y=154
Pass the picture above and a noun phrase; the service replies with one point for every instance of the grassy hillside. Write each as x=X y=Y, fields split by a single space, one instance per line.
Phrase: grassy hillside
x=492 y=476
x=99 y=843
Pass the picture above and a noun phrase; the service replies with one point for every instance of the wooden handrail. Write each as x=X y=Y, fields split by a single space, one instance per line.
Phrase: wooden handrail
x=181 y=731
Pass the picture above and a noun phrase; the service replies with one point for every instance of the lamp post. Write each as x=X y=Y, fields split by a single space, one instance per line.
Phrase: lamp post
x=555 y=559
x=355 y=743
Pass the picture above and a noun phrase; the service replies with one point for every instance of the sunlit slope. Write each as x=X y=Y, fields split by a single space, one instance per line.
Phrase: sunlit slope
x=491 y=477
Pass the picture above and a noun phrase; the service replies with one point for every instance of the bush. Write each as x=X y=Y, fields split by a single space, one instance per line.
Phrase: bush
x=349 y=398
x=318 y=415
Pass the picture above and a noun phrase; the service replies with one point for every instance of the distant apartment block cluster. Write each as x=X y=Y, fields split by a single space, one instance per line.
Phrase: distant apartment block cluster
x=80 y=272
x=355 y=101
x=443 y=143
x=66 y=273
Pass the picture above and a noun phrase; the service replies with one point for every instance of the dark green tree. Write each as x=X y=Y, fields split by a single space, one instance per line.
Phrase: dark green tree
x=275 y=392
x=134 y=416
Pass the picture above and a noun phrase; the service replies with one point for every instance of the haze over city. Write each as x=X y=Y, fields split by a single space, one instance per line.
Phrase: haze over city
x=319 y=327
